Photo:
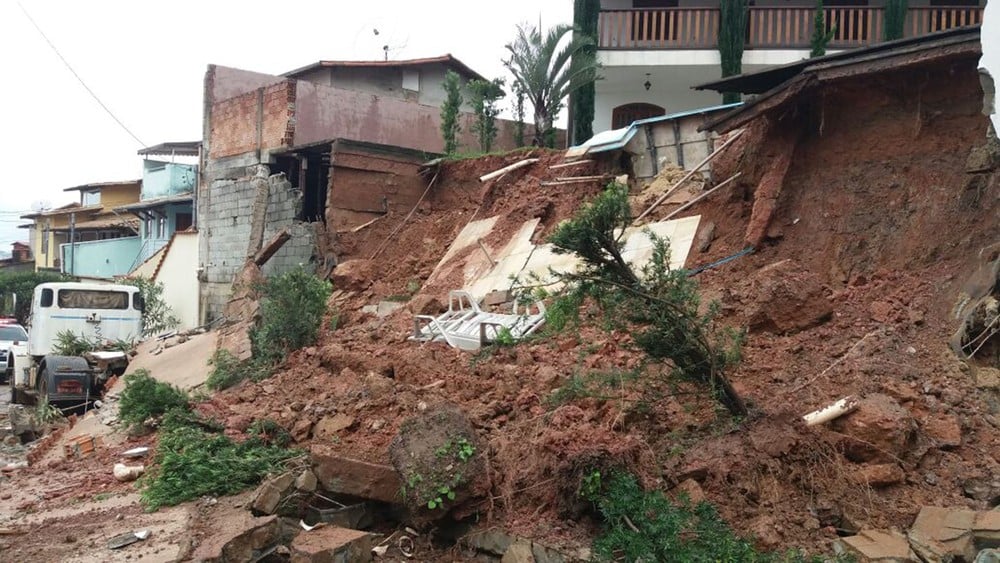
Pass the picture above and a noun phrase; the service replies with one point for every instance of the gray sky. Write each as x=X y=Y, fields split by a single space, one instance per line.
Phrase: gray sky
x=146 y=61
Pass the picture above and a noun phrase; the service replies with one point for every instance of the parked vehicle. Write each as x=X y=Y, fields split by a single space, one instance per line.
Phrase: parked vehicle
x=13 y=341
x=98 y=313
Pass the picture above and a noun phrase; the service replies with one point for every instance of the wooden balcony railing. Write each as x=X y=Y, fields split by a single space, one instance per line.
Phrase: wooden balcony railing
x=768 y=28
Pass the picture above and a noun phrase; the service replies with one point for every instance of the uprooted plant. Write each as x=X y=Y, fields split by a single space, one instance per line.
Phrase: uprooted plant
x=145 y=397
x=658 y=304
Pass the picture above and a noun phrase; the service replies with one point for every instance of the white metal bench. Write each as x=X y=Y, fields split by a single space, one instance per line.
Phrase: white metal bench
x=467 y=327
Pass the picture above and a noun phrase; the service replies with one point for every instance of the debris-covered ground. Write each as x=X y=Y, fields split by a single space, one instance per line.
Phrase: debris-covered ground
x=853 y=293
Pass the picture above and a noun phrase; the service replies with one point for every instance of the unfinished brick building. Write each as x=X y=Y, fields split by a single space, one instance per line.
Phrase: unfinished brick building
x=320 y=149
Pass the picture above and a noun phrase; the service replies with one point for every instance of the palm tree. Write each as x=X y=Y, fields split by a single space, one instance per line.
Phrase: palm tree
x=548 y=74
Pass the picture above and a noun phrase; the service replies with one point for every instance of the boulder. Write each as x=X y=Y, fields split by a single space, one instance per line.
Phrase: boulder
x=356 y=478
x=880 y=430
x=424 y=304
x=785 y=298
x=330 y=544
x=330 y=426
x=354 y=275
x=519 y=552
x=271 y=493
x=439 y=459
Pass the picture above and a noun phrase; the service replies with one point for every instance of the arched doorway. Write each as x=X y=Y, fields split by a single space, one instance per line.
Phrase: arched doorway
x=623 y=116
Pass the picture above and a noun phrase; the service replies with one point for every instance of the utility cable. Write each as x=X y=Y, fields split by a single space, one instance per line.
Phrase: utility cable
x=82 y=83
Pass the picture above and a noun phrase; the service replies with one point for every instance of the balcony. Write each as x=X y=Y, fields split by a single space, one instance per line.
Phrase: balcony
x=767 y=27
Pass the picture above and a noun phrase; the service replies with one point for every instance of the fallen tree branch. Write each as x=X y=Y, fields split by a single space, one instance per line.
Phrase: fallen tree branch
x=506 y=169
x=702 y=196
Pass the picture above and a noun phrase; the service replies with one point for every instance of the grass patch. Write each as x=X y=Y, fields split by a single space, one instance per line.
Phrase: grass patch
x=145 y=397
x=227 y=370
x=192 y=461
x=646 y=526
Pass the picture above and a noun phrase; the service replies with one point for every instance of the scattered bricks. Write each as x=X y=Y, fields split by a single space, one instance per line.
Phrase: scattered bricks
x=941 y=534
x=330 y=544
x=270 y=494
x=871 y=546
x=356 y=478
x=81 y=446
x=879 y=475
x=944 y=429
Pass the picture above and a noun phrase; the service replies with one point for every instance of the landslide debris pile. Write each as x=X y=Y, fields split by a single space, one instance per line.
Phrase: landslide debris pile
x=827 y=316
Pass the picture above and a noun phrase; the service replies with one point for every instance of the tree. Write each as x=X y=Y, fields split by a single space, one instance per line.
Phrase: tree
x=820 y=37
x=732 y=32
x=585 y=17
x=450 y=127
x=547 y=74
x=483 y=97
x=657 y=304
x=518 y=115
x=22 y=284
x=895 y=18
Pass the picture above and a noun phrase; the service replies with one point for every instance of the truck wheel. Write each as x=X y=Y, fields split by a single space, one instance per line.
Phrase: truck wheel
x=43 y=387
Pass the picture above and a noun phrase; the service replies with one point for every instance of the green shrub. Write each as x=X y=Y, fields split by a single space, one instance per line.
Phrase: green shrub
x=157 y=316
x=191 y=462
x=69 y=344
x=291 y=311
x=145 y=397
x=227 y=370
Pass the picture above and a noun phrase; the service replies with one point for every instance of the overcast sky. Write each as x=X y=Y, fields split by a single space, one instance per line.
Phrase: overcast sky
x=146 y=62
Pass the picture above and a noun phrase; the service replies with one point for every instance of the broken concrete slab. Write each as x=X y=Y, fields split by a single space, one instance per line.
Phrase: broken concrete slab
x=386 y=308
x=242 y=539
x=356 y=478
x=871 y=546
x=330 y=544
x=306 y=481
x=939 y=534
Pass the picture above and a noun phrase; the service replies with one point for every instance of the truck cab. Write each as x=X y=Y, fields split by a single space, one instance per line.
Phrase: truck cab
x=98 y=313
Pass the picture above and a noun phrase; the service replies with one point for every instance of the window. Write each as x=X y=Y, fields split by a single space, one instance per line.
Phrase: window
x=91 y=198
x=161 y=227
x=46 y=300
x=623 y=116
x=137 y=303
x=92 y=299
x=149 y=227
x=182 y=222
x=13 y=333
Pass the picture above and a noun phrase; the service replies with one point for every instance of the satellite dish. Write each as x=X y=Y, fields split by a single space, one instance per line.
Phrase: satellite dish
x=40 y=206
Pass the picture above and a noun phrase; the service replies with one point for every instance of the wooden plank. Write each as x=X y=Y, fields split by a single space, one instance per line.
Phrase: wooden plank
x=272 y=246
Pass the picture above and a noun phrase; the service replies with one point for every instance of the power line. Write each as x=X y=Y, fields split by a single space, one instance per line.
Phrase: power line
x=82 y=83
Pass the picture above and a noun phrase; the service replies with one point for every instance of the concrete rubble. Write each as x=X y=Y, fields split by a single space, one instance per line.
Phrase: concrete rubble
x=330 y=544
x=938 y=535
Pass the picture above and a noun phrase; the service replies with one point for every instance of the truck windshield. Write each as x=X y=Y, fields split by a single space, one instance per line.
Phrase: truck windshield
x=92 y=299
x=13 y=333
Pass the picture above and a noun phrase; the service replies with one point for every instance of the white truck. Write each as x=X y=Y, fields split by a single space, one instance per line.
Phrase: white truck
x=98 y=312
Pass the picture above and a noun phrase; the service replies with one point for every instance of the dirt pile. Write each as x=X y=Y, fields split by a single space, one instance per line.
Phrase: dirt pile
x=851 y=292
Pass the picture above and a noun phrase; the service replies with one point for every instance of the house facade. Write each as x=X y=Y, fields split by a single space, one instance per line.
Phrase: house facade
x=654 y=51
x=101 y=243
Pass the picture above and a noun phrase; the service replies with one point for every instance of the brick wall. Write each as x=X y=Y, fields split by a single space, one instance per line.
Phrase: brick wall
x=258 y=120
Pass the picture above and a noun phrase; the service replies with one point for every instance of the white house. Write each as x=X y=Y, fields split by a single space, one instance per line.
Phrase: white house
x=654 y=51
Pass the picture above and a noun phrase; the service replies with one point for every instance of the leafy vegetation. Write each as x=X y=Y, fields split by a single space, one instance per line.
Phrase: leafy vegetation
x=291 y=310
x=585 y=17
x=547 y=74
x=270 y=432
x=895 y=18
x=659 y=305
x=821 y=36
x=518 y=110
x=46 y=412
x=157 y=316
x=450 y=109
x=69 y=344
x=145 y=397
x=22 y=284
x=483 y=97
x=732 y=35
x=435 y=491
x=192 y=461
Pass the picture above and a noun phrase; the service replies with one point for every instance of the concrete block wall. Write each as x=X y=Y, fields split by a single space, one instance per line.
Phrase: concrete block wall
x=226 y=217
x=283 y=207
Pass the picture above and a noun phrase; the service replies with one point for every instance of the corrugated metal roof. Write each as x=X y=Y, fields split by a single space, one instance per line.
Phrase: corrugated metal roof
x=617 y=138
